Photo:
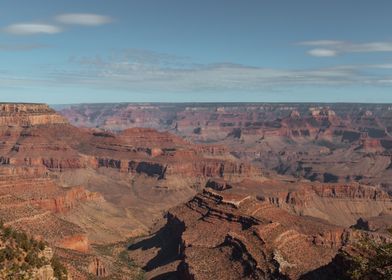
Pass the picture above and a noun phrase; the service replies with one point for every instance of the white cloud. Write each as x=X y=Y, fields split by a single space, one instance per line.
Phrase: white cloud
x=320 y=43
x=334 y=48
x=83 y=19
x=32 y=28
x=322 y=52
x=371 y=47
x=41 y=28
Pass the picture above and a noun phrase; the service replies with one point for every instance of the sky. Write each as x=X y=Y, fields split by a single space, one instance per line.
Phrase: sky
x=85 y=51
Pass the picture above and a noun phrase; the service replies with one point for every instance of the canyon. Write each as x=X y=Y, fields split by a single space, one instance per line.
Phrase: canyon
x=320 y=142
x=80 y=188
x=197 y=191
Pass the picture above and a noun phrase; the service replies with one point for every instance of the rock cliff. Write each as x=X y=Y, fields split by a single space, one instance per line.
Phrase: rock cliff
x=28 y=114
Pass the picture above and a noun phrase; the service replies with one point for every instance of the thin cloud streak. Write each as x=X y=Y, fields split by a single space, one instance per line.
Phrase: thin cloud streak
x=83 y=19
x=322 y=52
x=340 y=47
x=131 y=71
x=148 y=72
x=32 y=29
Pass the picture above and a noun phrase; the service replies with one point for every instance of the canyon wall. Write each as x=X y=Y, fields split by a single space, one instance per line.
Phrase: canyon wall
x=28 y=114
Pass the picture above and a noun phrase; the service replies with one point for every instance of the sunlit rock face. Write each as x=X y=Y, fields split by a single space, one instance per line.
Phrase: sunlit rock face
x=28 y=114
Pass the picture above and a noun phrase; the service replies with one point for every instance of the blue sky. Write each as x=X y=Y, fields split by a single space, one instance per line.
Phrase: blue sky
x=70 y=51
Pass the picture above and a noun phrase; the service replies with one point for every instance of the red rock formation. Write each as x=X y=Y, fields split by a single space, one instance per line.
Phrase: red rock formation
x=68 y=200
x=28 y=114
x=98 y=268
x=341 y=204
x=229 y=234
x=75 y=242
x=218 y=185
x=350 y=191
x=372 y=144
x=225 y=236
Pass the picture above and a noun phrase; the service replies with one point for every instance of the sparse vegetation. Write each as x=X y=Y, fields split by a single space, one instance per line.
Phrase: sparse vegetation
x=124 y=257
x=60 y=272
x=141 y=275
x=373 y=262
x=121 y=263
x=22 y=256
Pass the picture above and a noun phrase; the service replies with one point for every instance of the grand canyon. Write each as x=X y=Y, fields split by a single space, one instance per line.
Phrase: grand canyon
x=199 y=190
x=195 y=140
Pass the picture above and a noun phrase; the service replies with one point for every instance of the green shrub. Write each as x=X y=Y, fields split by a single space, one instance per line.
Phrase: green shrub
x=60 y=272
x=124 y=257
x=141 y=275
x=374 y=262
x=21 y=255
x=26 y=245
x=9 y=253
x=2 y=256
x=41 y=245
x=32 y=259
x=7 y=232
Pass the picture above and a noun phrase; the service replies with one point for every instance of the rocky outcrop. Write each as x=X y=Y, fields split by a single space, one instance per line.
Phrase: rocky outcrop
x=380 y=224
x=28 y=114
x=44 y=273
x=194 y=167
x=77 y=242
x=68 y=200
x=218 y=185
x=215 y=168
x=226 y=235
x=351 y=191
x=265 y=229
x=341 y=204
x=98 y=268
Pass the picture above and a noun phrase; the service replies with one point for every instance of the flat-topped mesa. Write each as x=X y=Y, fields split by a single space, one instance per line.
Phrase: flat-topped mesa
x=22 y=114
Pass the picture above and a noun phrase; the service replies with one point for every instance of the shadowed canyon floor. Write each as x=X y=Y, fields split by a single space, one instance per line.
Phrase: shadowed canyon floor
x=248 y=192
